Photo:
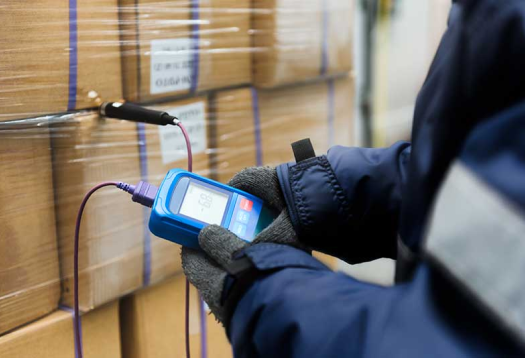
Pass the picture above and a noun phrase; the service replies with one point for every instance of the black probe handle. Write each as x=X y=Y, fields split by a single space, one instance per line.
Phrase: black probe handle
x=133 y=112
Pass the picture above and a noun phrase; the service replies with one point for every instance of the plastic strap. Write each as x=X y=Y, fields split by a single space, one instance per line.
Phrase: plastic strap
x=303 y=150
x=72 y=311
x=137 y=52
x=71 y=105
x=237 y=267
x=143 y=155
x=257 y=127
x=331 y=112
x=324 y=37
x=204 y=336
x=195 y=28
x=73 y=56
x=242 y=274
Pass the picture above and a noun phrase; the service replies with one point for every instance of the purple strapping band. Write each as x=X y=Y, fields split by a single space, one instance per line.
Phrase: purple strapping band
x=324 y=36
x=72 y=311
x=331 y=113
x=143 y=155
x=71 y=105
x=195 y=28
x=257 y=127
x=73 y=55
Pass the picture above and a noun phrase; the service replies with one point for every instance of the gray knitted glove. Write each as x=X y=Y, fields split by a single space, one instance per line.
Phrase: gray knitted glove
x=205 y=269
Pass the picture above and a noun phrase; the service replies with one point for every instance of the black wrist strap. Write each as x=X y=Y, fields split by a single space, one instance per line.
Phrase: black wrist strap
x=303 y=150
x=244 y=274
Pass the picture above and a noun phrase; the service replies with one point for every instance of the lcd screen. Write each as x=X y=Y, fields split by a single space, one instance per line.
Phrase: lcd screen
x=204 y=204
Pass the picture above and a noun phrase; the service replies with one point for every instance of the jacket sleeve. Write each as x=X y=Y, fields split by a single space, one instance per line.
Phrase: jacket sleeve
x=299 y=308
x=347 y=203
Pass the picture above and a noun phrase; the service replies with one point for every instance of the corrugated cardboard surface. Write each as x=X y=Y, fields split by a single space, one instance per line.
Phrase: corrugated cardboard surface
x=165 y=255
x=328 y=260
x=99 y=62
x=152 y=321
x=88 y=150
x=224 y=54
x=320 y=111
x=234 y=133
x=52 y=336
x=29 y=277
x=218 y=344
x=36 y=49
x=297 y=40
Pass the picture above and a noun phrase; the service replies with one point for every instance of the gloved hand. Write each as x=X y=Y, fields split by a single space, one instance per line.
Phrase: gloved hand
x=206 y=269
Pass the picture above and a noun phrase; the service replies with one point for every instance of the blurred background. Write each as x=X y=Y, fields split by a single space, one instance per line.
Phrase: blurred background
x=395 y=43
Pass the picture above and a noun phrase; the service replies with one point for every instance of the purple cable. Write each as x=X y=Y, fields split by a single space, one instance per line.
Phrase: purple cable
x=143 y=193
x=188 y=146
x=76 y=318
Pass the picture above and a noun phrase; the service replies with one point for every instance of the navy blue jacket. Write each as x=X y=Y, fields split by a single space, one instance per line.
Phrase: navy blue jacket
x=361 y=204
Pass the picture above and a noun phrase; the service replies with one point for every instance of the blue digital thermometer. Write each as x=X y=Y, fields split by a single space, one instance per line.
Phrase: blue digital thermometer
x=186 y=202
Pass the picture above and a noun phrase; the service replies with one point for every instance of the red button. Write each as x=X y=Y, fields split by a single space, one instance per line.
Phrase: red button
x=246 y=204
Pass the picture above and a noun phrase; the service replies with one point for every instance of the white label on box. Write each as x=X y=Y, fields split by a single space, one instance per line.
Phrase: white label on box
x=172 y=143
x=171 y=65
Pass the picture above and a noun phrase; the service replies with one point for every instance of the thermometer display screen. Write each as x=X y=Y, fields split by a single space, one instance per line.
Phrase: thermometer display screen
x=204 y=204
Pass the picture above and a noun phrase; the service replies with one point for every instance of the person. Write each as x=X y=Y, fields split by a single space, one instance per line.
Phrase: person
x=449 y=207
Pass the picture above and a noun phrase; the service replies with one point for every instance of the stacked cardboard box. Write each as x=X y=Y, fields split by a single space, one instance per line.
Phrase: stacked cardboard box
x=298 y=40
x=72 y=55
x=153 y=321
x=153 y=324
x=52 y=336
x=256 y=127
x=58 y=55
x=217 y=341
x=173 y=48
x=322 y=112
x=117 y=253
x=29 y=276
x=234 y=132
x=88 y=150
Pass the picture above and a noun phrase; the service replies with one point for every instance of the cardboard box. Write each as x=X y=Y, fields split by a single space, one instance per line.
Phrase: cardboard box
x=330 y=261
x=256 y=127
x=118 y=253
x=88 y=150
x=166 y=149
x=53 y=336
x=218 y=344
x=321 y=111
x=46 y=68
x=298 y=40
x=152 y=321
x=234 y=132
x=173 y=48
x=29 y=276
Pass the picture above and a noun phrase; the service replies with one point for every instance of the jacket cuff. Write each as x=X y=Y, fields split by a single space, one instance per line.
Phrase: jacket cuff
x=257 y=261
x=315 y=200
